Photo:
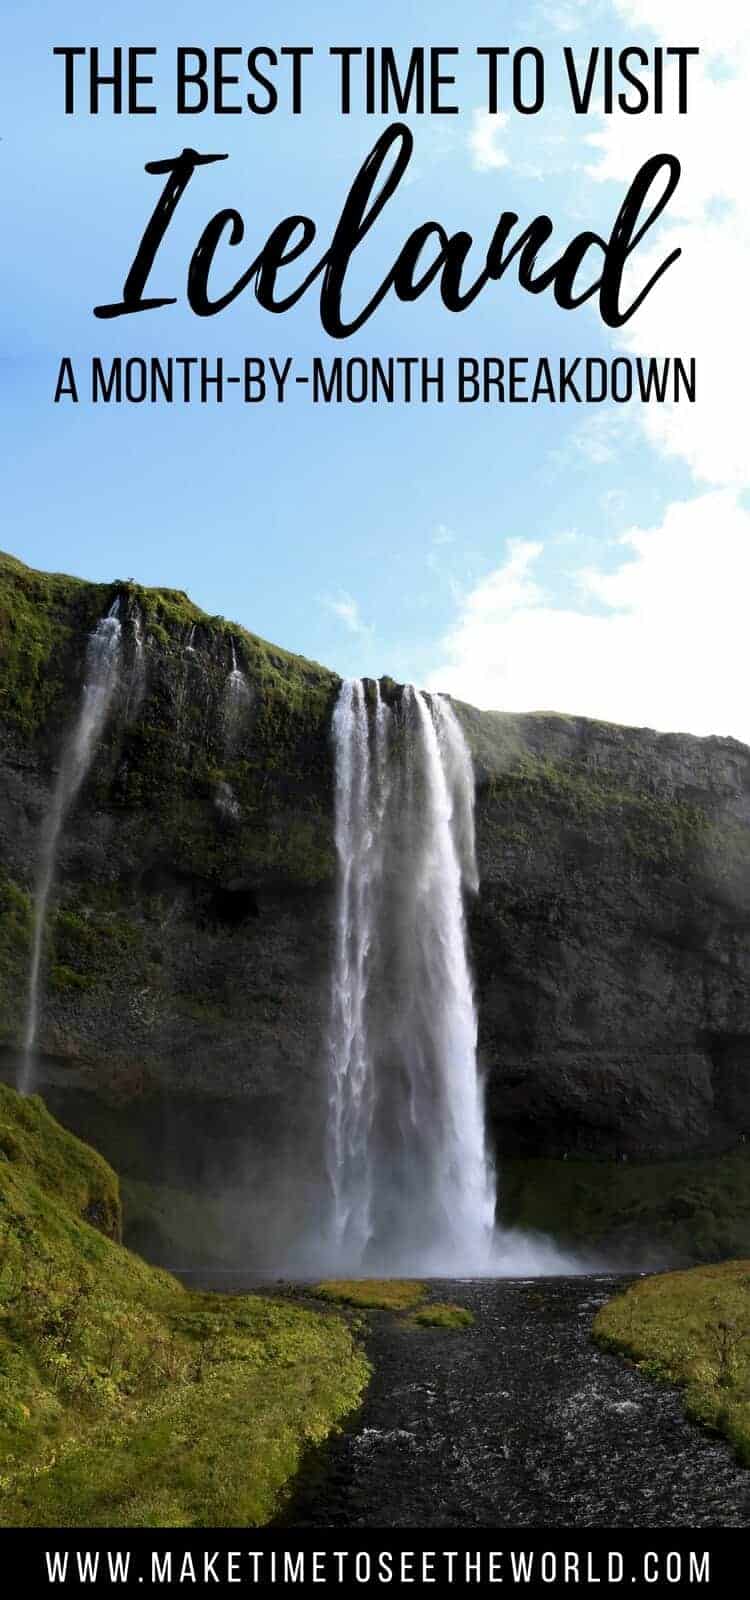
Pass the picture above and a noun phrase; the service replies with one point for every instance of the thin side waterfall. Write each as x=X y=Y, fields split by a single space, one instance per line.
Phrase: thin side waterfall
x=411 y=1182
x=236 y=701
x=237 y=685
x=101 y=677
x=137 y=688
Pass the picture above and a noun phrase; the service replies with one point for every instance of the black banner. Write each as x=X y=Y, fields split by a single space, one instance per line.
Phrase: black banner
x=307 y=1561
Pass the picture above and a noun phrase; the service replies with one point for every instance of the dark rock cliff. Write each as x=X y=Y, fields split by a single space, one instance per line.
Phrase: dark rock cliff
x=189 y=936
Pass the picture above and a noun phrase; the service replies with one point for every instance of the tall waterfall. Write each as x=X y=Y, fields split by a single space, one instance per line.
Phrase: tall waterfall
x=100 y=681
x=412 y=1185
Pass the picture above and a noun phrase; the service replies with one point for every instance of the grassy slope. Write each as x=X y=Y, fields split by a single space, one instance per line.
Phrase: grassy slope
x=691 y=1328
x=124 y=1398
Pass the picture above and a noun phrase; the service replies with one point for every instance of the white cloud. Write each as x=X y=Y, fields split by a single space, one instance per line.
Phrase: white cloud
x=698 y=308
x=347 y=610
x=659 y=642
x=719 y=28
x=486 y=154
x=596 y=440
x=569 y=15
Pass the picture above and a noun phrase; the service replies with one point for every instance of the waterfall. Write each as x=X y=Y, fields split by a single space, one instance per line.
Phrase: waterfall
x=137 y=688
x=100 y=681
x=351 y=1098
x=411 y=1182
x=236 y=701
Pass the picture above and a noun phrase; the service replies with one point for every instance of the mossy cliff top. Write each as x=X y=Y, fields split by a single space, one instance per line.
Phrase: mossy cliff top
x=43 y=617
x=126 y=1400
x=180 y=712
x=244 y=774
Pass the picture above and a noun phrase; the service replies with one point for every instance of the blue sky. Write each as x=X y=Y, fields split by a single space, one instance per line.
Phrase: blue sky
x=365 y=537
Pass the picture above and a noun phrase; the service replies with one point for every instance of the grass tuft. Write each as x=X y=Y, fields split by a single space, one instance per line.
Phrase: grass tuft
x=693 y=1329
x=373 y=1294
x=395 y=1294
x=444 y=1315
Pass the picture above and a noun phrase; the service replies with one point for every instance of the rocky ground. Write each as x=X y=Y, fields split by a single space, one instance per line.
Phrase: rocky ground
x=517 y=1422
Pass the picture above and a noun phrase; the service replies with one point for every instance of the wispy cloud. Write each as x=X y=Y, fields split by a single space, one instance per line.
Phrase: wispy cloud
x=596 y=441
x=443 y=535
x=569 y=15
x=346 y=608
x=487 y=155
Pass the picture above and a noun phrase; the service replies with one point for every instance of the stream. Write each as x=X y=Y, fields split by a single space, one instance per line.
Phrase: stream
x=519 y=1421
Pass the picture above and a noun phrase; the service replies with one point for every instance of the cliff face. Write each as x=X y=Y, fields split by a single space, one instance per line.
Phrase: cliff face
x=189 y=936
x=612 y=937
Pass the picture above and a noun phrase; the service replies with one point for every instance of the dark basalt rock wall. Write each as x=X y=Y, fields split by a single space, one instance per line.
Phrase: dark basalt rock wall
x=189 y=942
x=611 y=940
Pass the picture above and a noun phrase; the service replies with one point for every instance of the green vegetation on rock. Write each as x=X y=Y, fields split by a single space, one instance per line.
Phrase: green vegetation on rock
x=686 y=1210
x=177 y=1225
x=443 y=1314
x=15 y=945
x=176 y=749
x=39 y=613
x=373 y=1294
x=648 y=825
x=125 y=1399
x=395 y=1294
x=693 y=1329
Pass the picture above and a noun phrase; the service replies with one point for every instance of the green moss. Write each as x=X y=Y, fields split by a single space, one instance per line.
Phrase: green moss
x=15 y=914
x=398 y=1295
x=85 y=941
x=648 y=826
x=272 y=838
x=444 y=1315
x=50 y=1161
x=15 y=946
x=688 y=1209
x=201 y=1010
x=172 y=1224
x=63 y=980
x=373 y=1294
x=126 y=1400
x=39 y=614
x=693 y=1329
